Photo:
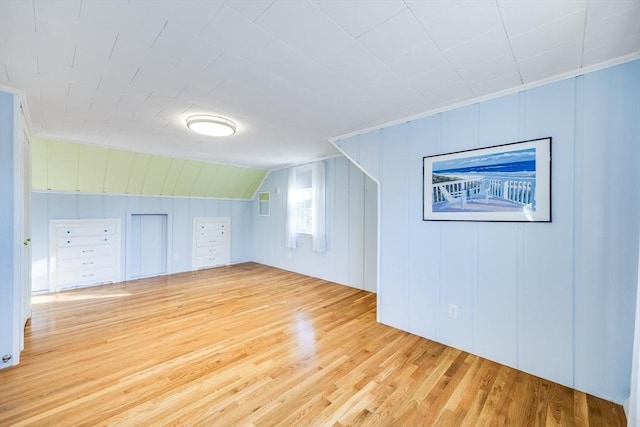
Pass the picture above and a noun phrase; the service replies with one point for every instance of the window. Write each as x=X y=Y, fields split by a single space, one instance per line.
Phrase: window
x=263 y=203
x=304 y=201
x=305 y=205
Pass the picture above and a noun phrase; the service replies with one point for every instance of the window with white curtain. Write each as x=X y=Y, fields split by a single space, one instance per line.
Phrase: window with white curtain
x=306 y=205
x=303 y=194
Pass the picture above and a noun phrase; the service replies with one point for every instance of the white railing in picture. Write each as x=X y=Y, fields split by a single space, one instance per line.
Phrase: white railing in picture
x=516 y=190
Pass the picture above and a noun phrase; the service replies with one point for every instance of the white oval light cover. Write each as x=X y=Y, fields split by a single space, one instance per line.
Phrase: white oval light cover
x=211 y=125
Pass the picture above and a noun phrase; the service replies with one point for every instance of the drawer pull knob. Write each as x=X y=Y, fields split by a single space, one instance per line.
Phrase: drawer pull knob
x=84 y=251
x=87 y=263
x=87 y=275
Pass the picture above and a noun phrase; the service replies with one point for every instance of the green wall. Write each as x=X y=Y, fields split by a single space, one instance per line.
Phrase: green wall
x=71 y=167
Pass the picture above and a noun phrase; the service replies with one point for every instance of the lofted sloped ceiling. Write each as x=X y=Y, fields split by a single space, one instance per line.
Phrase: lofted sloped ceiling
x=70 y=167
x=291 y=73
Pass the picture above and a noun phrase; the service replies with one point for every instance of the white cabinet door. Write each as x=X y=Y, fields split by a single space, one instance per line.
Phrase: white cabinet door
x=84 y=252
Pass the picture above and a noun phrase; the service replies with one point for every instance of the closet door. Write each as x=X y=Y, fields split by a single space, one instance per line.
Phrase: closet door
x=12 y=238
x=148 y=245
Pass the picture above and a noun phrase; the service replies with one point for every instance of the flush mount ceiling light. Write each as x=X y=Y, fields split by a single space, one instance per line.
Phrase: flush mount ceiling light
x=211 y=125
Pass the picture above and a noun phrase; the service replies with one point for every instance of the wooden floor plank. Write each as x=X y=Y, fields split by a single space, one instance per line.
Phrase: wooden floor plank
x=255 y=345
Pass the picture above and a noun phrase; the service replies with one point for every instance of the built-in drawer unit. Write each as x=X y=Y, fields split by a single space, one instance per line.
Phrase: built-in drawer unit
x=211 y=242
x=83 y=252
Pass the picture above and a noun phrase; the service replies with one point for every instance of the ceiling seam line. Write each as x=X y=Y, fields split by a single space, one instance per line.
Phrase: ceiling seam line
x=441 y=53
x=382 y=62
x=584 y=34
x=158 y=36
x=515 y=61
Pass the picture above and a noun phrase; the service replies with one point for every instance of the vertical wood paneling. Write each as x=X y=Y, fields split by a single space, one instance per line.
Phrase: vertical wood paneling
x=197 y=207
x=180 y=211
x=89 y=206
x=9 y=338
x=226 y=182
x=350 y=147
x=546 y=297
x=139 y=170
x=523 y=282
x=355 y=231
x=344 y=225
x=117 y=207
x=182 y=234
x=370 y=147
x=188 y=176
x=211 y=207
x=63 y=166
x=39 y=164
x=394 y=231
x=242 y=231
x=173 y=174
x=151 y=205
x=339 y=227
x=608 y=214
x=424 y=239
x=370 y=241
x=496 y=304
x=156 y=176
x=458 y=245
x=498 y=249
x=206 y=175
x=92 y=167
x=62 y=206
x=39 y=242
x=134 y=204
x=255 y=181
x=118 y=170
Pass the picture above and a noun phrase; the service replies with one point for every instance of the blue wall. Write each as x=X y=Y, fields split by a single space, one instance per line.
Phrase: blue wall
x=351 y=214
x=181 y=210
x=553 y=299
x=8 y=259
x=351 y=202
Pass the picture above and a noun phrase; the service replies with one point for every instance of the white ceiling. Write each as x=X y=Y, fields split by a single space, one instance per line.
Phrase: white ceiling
x=291 y=73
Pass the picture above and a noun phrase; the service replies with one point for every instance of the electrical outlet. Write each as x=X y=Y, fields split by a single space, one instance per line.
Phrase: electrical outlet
x=453 y=311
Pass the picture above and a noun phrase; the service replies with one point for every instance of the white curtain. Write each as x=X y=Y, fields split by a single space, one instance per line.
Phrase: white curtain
x=292 y=211
x=318 y=228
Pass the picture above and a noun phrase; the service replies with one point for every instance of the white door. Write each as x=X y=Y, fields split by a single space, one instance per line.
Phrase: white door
x=26 y=230
x=148 y=236
x=12 y=191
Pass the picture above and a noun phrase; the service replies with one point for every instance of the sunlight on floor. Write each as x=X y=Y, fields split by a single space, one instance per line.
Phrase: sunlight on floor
x=62 y=296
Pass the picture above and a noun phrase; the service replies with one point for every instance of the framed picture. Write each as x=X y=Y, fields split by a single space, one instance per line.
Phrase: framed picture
x=510 y=182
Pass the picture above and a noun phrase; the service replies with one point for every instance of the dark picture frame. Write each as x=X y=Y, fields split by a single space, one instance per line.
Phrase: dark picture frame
x=506 y=183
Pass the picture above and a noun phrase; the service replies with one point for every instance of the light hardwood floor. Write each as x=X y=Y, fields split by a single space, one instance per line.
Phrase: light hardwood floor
x=254 y=345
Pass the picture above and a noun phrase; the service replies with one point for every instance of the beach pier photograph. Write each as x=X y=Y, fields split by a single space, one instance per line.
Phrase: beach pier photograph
x=503 y=183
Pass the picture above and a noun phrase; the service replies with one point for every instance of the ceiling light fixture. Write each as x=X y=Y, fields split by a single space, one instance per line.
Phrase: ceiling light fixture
x=211 y=125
